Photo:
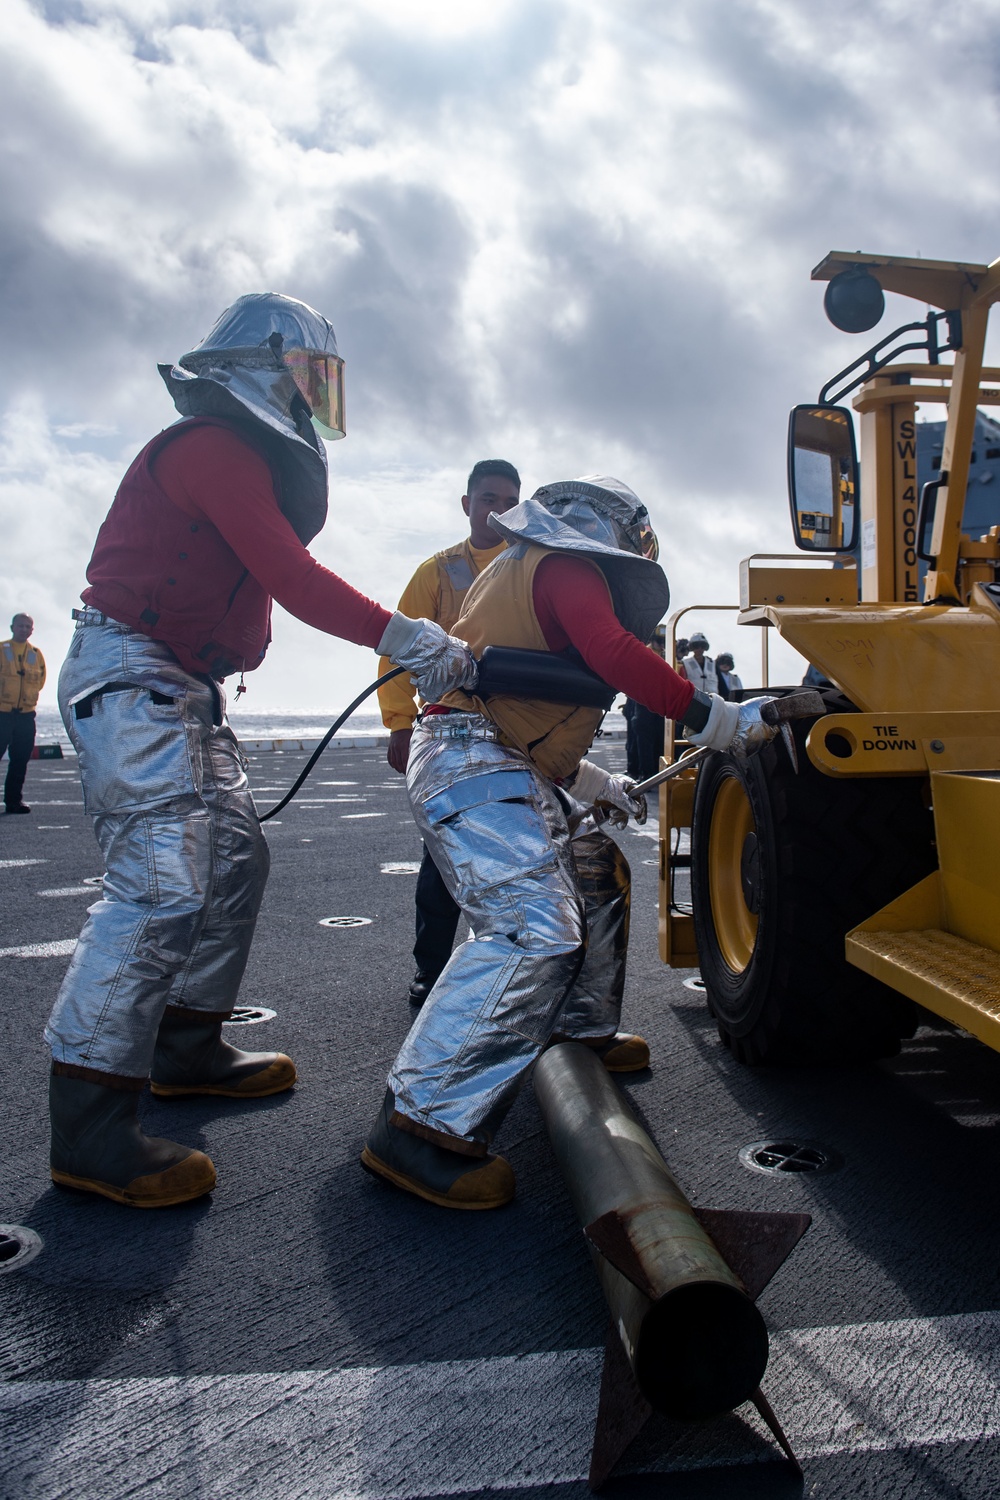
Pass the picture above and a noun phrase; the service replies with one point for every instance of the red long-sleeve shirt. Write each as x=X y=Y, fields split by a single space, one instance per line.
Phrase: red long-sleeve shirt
x=210 y=474
x=574 y=609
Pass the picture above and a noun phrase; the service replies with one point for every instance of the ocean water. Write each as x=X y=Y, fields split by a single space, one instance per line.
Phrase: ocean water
x=269 y=724
x=263 y=724
x=249 y=724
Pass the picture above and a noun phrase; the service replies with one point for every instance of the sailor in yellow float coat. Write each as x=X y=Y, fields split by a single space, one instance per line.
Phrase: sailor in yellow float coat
x=22 y=677
x=437 y=592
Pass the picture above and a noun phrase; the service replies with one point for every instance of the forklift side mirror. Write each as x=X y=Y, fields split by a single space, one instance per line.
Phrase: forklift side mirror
x=823 y=478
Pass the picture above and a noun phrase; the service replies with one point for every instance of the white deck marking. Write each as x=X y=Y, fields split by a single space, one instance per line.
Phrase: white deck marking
x=17 y=864
x=68 y=890
x=464 y=1425
x=52 y=827
x=59 y=949
x=323 y=801
x=362 y=815
x=401 y=867
x=57 y=801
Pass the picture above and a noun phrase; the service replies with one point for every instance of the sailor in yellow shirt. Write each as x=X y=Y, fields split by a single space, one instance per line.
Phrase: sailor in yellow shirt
x=22 y=677
x=437 y=592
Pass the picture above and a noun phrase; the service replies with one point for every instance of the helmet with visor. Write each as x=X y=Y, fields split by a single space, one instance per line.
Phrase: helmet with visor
x=273 y=361
x=280 y=347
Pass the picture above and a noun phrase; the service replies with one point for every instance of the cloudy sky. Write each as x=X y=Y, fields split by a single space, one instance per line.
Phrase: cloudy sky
x=572 y=233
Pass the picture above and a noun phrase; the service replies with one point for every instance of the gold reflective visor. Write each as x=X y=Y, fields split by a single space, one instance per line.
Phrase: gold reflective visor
x=648 y=544
x=320 y=381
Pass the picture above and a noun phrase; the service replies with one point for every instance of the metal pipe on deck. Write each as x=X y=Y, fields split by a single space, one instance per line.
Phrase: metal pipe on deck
x=696 y=1343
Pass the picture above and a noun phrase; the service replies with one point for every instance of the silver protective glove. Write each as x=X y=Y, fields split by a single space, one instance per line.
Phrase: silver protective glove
x=735 y=727
x=612 y=794
x=752 y=734
x=439 y=663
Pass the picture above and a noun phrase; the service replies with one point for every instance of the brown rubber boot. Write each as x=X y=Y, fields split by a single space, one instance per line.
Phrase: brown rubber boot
x=433 y=1172
x=98 y=1146
x=192 y=1058
x=623 y=1053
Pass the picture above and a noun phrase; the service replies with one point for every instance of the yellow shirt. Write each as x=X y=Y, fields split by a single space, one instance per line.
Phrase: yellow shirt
x=421 y=599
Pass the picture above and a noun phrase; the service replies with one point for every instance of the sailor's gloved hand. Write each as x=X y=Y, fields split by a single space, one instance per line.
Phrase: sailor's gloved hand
x=736 y=727
x=710 y=720
x=612 y=794
x=439 y=663
x=752 y=733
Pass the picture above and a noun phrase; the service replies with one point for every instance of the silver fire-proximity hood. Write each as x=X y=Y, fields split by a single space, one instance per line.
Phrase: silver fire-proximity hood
x=601 y=518
x=239 y=371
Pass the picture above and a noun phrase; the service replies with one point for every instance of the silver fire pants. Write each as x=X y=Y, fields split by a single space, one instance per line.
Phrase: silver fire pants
x=549 y=930
x=185 y=856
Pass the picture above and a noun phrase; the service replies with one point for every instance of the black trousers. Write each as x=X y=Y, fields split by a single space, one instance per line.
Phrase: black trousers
x=17 y=740
x=647 y=743
x=437 y=919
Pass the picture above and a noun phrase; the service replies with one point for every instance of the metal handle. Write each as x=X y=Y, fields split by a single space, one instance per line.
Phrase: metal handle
x=688 y=759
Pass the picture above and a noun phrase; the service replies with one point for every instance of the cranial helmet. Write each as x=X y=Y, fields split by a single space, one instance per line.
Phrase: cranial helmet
x=271 y=361
x=698 y=640
x=601 y=518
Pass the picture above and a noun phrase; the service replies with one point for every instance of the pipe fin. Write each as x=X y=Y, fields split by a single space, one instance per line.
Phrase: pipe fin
x=622 y=1411
x=754 y=1245
x=609 y=1234
x=766 y=1411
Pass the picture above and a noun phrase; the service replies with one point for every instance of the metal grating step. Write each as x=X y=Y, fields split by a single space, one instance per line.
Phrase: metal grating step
x=952 y=977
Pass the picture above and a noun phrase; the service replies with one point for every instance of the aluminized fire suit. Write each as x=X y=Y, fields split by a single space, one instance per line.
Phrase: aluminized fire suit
x=185 y=857
x=211 y=521
x=548 y=912
x=163 y=778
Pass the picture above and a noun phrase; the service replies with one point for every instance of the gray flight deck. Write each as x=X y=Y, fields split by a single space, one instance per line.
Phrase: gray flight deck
x=310 y=1332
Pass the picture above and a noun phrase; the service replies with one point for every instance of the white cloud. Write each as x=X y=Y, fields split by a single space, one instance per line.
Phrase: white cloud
x=54 y=499
x=573 y=233
x=84 y=429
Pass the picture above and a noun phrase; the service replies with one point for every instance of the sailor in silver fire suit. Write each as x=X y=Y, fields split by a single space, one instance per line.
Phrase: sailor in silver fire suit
x=211 y=521
x=497 y=787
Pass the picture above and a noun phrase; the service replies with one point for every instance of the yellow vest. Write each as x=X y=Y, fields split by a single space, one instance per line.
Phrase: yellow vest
x=457 y=572
x=17 y=691
x=500 y=611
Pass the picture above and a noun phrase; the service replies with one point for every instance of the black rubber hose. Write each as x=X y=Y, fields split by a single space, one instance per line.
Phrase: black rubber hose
x=326 y=740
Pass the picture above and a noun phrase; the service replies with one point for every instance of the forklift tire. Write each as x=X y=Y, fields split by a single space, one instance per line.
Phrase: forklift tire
x=782 y=866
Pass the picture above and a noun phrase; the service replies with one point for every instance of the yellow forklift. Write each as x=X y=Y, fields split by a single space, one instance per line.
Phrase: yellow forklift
x=850 y=873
